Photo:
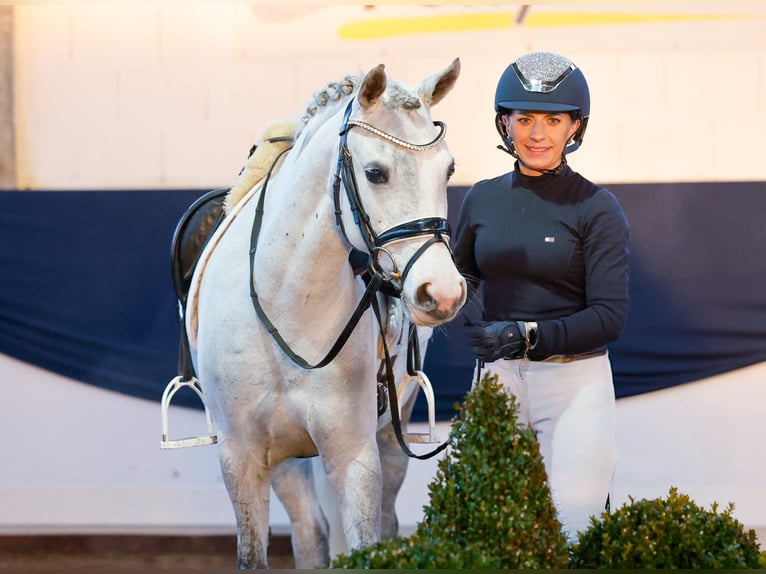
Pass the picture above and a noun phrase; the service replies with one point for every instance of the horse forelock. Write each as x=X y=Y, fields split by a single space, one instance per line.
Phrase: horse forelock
x=397 y=96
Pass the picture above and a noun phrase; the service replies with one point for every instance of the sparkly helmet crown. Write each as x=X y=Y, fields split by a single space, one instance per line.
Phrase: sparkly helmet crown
x=543 y=82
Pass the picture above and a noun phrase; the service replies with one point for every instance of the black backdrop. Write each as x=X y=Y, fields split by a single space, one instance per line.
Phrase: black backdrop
x=85 y=288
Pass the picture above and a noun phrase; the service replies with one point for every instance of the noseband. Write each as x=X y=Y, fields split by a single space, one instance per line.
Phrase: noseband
x=436 y=227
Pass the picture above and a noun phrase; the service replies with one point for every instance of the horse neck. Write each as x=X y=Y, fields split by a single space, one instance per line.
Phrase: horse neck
x=301 y=259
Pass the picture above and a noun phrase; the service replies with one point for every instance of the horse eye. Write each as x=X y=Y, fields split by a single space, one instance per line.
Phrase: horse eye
x=376 y=175
x=451 y=170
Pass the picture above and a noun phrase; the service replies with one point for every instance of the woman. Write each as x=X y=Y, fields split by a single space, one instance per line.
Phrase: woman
x=550 y=252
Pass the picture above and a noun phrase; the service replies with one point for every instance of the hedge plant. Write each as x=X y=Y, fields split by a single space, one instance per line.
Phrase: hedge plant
x=490 y=507
x=673 y=532
x=489 y=504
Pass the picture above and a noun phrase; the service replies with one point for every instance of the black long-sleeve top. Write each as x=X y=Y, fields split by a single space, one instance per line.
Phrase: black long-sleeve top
x=552 y=249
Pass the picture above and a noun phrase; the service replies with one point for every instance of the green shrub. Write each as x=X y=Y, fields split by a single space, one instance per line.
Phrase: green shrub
x=490 y=508
x=489 y=504
x=666 y=533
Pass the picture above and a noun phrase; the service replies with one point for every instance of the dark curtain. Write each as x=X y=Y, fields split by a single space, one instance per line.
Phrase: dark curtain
x=86 y=288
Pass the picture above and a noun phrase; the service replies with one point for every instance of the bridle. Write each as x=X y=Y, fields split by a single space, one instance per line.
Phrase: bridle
x=375 y=243
x=375 y=277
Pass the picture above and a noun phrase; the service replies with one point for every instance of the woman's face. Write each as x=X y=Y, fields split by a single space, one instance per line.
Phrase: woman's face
x=539 y=138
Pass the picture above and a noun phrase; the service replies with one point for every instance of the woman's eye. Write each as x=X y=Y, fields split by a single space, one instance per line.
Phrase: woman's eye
x=376 y=175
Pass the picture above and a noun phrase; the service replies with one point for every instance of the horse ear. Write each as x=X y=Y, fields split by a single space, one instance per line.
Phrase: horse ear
x=373 y=85
x=432 y=90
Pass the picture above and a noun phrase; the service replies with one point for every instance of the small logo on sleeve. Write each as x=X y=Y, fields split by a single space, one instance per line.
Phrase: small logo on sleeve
x=550 y=239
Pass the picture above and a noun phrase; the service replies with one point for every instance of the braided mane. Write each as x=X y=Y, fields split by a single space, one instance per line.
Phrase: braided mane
x=328 y=98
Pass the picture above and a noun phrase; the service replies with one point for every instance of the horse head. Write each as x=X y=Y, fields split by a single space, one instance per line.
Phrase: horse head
x=395 y=170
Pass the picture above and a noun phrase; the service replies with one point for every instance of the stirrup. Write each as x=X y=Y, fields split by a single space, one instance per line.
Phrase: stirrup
x=171 y=389
x=428 y=391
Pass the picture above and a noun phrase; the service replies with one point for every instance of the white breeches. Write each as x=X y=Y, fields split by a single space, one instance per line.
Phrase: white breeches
x=571 y=406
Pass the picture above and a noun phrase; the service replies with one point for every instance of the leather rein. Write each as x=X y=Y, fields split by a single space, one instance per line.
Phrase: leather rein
x=375 y=277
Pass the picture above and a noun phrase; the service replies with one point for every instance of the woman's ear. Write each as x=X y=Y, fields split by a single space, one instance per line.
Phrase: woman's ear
x=573 y=128
x=507 y=124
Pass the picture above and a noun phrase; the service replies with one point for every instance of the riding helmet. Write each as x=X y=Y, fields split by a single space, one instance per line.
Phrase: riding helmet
x=543 y=82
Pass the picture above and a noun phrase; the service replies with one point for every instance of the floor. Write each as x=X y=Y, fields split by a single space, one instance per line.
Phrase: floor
x=146 y=553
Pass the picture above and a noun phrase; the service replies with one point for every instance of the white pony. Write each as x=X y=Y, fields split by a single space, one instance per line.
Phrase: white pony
x=274 y=293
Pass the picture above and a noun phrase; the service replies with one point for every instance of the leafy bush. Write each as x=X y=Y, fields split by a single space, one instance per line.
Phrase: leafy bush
x=490 y=507
x=489 y=504
x=666 y=533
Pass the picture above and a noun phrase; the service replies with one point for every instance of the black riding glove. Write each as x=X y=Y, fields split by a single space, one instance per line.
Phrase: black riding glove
x=493 y=340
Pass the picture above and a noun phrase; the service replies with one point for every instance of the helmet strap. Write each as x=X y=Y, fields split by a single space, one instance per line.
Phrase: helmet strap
x=554 y=171
x=510 y=149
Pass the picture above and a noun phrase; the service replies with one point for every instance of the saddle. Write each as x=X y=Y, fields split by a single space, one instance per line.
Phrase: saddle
x=192 y=233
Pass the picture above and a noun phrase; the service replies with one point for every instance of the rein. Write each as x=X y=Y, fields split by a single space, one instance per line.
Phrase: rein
x=413 y=358
x=375 y=277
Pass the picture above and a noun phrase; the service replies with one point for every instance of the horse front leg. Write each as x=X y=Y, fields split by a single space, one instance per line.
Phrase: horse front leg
x=394 y=464
x=247 y=483
x=293 y=484
x=358 y=482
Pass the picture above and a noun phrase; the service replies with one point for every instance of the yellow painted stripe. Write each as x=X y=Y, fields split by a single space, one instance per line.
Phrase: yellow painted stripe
x=388 y=27
x=551 y=19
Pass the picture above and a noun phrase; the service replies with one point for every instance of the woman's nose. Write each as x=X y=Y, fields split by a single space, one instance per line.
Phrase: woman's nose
x=537 y=130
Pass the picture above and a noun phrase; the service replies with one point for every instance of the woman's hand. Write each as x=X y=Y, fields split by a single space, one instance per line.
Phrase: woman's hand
x=493 y=340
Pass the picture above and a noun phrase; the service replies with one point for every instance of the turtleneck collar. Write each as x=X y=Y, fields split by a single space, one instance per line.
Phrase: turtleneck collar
x=535 y=181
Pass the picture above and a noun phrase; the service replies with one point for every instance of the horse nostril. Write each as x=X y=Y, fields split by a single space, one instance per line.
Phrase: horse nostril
x=423 y=298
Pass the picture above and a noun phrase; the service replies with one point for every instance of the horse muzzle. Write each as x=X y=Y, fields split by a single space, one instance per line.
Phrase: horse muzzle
x=434 y=303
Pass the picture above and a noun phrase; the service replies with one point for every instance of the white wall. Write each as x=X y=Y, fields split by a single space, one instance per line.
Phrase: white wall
x=153 y=96
x=79 y=459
